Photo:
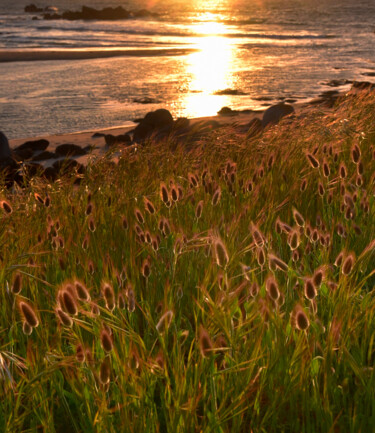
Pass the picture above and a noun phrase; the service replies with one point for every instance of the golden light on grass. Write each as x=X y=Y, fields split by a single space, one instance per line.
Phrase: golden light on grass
x=298 y=218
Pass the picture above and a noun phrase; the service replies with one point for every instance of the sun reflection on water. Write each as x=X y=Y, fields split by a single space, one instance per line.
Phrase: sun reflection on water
x=209 y=70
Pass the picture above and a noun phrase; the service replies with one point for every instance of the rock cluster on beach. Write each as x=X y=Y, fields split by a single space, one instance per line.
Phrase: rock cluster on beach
x=88 y=13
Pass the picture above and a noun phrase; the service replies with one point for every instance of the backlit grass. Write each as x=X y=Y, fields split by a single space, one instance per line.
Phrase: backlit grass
x=220 y=286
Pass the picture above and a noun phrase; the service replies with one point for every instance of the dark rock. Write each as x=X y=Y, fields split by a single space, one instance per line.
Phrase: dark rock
x=290 y=100
x=22 y=154
x=146 y=100
x=98 y=135
x=226 y=111
x=255 y=127
x=368 y=74
x=35 y=18
x=274 y=113
x=329 y=94
x=51 y=174
x=52 y=16
x=143 y=13
x=155 y=121
x=5 y=152
x=34 y=145
x=31 y=8
x=234 y=92
x=43 y=156
x=337 y=83
x=111 y=140
x=70 y=150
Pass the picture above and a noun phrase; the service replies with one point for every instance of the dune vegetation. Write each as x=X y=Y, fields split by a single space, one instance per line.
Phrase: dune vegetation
x=222 y=286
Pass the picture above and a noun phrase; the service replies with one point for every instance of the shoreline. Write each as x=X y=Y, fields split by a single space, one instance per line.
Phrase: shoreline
x=88 y=146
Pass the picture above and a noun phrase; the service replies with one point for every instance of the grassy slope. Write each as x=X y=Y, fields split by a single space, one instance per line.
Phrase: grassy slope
x=232 y=358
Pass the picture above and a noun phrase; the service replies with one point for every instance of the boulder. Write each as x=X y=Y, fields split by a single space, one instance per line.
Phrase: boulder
x=5 y=152
x=111 y=140
x=70 y=150
x=34 y=145
x=226 y=111
x=31 y=8
x=160 y=120
x=274 y=113
x=43 y=156
x=22 y=154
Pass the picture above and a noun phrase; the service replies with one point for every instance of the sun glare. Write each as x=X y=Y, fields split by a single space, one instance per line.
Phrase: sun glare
x=209 y=69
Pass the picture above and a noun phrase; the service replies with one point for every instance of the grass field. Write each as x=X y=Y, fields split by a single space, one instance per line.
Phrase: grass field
x=228 y=287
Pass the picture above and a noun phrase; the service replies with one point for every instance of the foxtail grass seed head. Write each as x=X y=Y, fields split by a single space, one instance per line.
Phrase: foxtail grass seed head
x=17 y=284
x=139 y=216
x=146 y=268
x=199 y=210
x=149 y=206
x=86 y=242
x=272 y=288
x=164 y=322
x=125 y=224
x=82 y=292
x=296 y=256
x=39 y=198
x=174 y=194
x=339 y=259
x=221 y=254
x=105 y=372
x=6 y=206
x=301 y=321
x=261 y=257
x=91 y=224
x=359 y=180
x=64 y=318
x=89 y=209
x=356 y=154
x=28 y=314
x=130 y=295
x=303 y=185
x=298 y=218
x=310 y=289
x=205 y=342
x=318 y=277
x=326 y=169
x=106 y=341
x=312 y=160
x=321 y=189
x=121 y=303
x=109 y=296
x=166 y=227
x=164 y=194
x=254 y=289
x=193 y=180
x=343 y=172
x=216 y=197
x=69 y=304
x=275 y=262
x=257 y=236
x=293 y=239
x=26 y=328
x=347 y=265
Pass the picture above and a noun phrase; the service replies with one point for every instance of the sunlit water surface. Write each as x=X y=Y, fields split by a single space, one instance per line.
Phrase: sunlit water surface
x=262 y=51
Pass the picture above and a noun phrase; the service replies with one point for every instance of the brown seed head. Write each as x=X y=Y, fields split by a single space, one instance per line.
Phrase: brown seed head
x=310 y=289
x=109 y=296
x=205 y=342
x=29 y=314
x=220 y=252
x=164 y=322
x=312 y=160
x=106 y=341
x=347 y=265
x=199 y=209
x=6 y=206
x=272 y=288
x=17 y=284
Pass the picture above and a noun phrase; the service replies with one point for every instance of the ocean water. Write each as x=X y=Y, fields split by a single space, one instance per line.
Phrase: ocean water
x=185 y=59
